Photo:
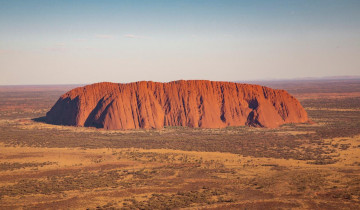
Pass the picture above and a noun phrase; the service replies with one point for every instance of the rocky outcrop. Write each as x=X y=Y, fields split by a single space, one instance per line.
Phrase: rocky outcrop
x=195 y=103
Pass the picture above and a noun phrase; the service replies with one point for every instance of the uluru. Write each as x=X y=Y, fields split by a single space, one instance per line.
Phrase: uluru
x=192 y=103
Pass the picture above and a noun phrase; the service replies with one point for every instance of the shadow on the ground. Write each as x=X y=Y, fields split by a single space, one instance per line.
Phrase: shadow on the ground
x=40 y=119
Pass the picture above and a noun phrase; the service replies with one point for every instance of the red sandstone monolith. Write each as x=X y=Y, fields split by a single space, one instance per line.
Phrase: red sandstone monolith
x=194 y=103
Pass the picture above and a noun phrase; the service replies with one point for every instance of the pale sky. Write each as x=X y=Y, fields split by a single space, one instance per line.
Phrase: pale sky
x=77 y=42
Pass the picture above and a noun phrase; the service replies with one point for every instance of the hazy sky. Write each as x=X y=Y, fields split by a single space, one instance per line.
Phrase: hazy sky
x=72 y=42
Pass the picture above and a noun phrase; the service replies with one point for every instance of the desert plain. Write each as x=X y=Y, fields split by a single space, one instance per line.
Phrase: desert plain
x=295 y=166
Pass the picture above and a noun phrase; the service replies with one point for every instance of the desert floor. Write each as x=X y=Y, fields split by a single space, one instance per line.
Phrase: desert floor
x=303 y=166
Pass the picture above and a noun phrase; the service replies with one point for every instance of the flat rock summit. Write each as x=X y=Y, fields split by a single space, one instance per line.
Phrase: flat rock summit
x=194 y=103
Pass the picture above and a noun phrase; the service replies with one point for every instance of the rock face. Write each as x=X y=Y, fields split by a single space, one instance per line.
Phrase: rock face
x=194 y=103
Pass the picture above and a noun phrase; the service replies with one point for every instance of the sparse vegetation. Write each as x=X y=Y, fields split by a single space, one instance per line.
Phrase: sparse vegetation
x=295 y=166
x=13 y=166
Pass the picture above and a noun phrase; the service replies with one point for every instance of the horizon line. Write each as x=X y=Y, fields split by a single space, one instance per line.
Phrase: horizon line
x=324 y=78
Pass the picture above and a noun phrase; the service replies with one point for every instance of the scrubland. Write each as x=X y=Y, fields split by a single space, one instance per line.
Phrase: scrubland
x=302 y=166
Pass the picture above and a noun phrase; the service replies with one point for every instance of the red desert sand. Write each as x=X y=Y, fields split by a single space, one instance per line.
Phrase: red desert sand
x=194 y=103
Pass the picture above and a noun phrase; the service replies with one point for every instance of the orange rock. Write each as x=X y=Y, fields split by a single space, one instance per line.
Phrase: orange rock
x=194 y=103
